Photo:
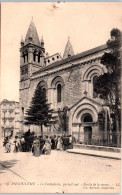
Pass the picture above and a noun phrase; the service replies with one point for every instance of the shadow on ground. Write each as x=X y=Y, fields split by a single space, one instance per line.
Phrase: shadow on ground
x=4 y=165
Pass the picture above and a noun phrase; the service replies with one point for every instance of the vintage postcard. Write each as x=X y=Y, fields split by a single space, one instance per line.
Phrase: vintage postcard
x=60 y=120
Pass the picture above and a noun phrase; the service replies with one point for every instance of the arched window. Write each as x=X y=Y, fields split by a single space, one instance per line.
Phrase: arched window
x=58 y=85
x=95 y=95
x=88 y=118
x=39 y=58
x=59 y=93
x=42 y=85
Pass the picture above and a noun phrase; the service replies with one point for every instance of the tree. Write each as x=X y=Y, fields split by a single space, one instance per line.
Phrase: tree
x=39 y=113
x=63 y=119
x=108 y=84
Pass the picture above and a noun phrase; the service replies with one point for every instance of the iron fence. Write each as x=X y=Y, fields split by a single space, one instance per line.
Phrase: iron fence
x=109 y=139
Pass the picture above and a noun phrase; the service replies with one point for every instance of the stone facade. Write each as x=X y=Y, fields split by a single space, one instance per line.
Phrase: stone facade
x=69 y=83
x=9 y=111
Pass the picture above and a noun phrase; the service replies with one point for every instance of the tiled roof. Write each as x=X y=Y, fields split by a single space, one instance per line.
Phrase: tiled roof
x=73 y=58
x=32 y=32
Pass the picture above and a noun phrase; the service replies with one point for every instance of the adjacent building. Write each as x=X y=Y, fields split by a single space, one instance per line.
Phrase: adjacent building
x=9 y=112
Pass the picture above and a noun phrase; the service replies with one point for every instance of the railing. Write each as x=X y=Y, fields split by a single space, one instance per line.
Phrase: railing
x=112 y=139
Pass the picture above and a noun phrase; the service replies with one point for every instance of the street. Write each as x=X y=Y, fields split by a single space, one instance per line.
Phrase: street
x=59 y=172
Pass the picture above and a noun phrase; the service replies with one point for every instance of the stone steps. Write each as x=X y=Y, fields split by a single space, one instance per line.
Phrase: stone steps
x=98 y=148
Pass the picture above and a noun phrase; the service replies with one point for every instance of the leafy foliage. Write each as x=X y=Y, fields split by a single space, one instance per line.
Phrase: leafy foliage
x=105 y=85
x=63 y=119
x=108 y=84
x=112 y=59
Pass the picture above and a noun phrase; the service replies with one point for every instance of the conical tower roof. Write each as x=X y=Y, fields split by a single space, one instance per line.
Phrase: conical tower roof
x=68 y=49
x=32 y=35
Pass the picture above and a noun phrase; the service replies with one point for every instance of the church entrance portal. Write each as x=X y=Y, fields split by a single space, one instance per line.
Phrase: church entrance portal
x=85 y=133
x=87 y=118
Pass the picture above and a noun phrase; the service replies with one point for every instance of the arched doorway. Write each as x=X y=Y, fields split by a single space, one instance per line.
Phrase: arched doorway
x=87 y=118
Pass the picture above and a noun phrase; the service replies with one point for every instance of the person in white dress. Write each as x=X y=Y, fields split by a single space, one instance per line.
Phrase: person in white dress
x=59 y=143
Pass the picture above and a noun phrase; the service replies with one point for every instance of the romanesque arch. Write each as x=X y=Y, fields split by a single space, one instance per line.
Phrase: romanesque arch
x=43 y=84
x=89 y=77
x=92 y=71
x=57 y=85
x=84 y=110
x=56 y=80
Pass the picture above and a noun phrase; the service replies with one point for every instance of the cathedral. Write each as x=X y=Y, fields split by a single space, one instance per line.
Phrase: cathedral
x=68 y=81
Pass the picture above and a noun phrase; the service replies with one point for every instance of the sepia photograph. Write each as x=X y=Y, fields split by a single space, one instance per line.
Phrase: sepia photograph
x=60 y=101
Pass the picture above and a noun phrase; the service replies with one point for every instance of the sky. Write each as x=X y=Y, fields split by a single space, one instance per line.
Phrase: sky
x=88 y=24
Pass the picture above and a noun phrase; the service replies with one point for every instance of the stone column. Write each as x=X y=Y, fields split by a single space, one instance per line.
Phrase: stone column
x=36 y=56
x=26 y=58
x=42 y=58
x=90 y=89
x=54 y=98
x=21 y=59
x=30 y=55
x=79 y=133
x=50 y=96
x=86 y=87
x=70 y=122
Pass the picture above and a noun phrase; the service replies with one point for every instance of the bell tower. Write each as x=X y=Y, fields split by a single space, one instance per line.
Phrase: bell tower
x=32 y=53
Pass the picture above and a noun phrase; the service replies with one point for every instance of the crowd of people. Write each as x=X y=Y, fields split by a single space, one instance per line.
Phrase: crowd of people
x=41 y=145
x=46 y=144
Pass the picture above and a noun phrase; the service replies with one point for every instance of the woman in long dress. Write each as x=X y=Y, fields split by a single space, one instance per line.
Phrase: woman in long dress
x=16 y=146
x=36 y=148
x=47 y=147
x=59 y=143
x=7 y=145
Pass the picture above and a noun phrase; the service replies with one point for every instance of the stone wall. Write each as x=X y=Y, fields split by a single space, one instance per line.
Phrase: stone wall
x=76 y=79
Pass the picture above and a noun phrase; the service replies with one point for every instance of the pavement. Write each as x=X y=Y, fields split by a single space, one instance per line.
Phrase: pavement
x=60 y=172
x=96 y=147
x=96 y=153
